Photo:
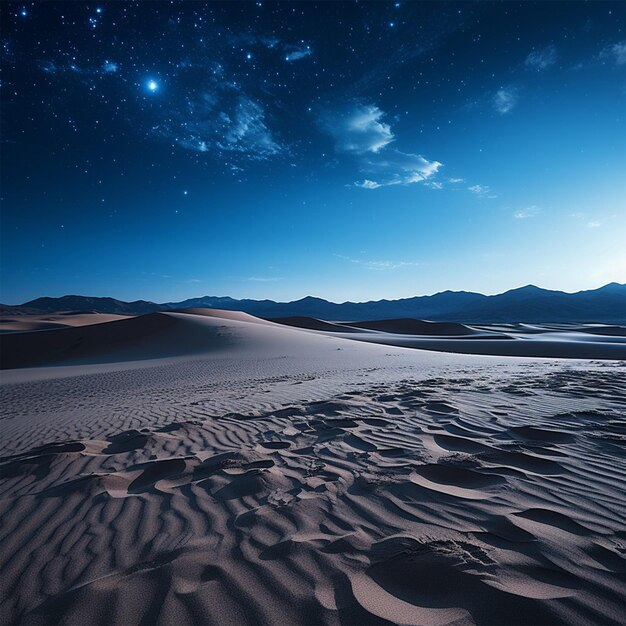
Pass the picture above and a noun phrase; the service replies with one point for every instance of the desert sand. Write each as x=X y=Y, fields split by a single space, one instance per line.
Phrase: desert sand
x=213 y=468
x=21 y=323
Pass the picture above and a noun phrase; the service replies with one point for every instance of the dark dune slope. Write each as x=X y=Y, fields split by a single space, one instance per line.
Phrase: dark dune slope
x=408 y=326
x=155 y=335
x=312 y=323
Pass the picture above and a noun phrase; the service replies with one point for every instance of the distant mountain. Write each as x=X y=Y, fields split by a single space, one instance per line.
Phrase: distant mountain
x=526 y=304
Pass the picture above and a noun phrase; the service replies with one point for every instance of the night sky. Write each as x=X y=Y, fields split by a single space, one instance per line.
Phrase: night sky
x=344 y=150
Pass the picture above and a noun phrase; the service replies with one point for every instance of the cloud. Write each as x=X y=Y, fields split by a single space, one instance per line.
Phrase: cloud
x=413 y=165
x=541 y=59
x=482 y=190
x=616 y=51
x=378 y=265
x=397 y=168
x=530 y=211
x=368 y=184
x=357 y=128
x=505 y=99
x=66 y=65
x=219 y=116
x=264 y=279
x=293 y=53
x=224 y=120
x=456 y=180
x=246 y=129
x=588 y=219
x=387 y=265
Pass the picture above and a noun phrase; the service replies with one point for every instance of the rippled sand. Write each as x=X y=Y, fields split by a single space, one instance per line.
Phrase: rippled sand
x=295 y=478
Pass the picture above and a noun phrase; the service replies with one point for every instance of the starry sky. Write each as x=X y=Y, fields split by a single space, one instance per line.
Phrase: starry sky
x=347 y=150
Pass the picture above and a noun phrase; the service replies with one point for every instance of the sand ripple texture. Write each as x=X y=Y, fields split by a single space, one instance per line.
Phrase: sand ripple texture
x=486 y=495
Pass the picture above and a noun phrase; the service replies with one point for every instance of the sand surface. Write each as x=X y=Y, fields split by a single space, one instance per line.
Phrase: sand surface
x=21 y=323
x=201 y=469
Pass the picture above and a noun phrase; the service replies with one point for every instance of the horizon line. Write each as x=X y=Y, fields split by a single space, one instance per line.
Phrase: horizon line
x=325 y=299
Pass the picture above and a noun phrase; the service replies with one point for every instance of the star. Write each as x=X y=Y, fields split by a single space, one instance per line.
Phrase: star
x=152 y=85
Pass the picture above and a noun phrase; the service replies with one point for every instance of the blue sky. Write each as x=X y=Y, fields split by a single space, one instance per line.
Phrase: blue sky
x=344 y=150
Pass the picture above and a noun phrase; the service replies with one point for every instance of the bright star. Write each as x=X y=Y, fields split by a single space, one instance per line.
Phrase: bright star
x=152 y=86
x=23 y=12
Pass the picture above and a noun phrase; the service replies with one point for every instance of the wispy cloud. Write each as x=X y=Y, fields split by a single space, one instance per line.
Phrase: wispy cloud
x=368 y=184
x=296 y=53
x=110 y=67
x=246 y=129
x=505 y=99
x=591 y=219
x=387 y=265
x=482 y=190
x=616 y=52
x=264 y=279
x=541 y=59
x=397 y=168
x=224 y=120
x=219 y=116
x=357 y=128
x=525 y=213
x=67 y=65
x=377 y=265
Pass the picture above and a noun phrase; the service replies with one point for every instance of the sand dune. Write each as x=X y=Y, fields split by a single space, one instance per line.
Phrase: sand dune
x=155 y=336
x=194 y=468
x=236 y=316
x=415 y=327
x=200 y=331
x=22 y=323
x=558 y=345
x=312 y=323
x=566 y=341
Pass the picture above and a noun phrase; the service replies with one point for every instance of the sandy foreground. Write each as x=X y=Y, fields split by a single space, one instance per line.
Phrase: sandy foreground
x=218 y=469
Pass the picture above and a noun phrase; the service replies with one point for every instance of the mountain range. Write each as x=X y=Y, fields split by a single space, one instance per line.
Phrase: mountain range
x=525 y=304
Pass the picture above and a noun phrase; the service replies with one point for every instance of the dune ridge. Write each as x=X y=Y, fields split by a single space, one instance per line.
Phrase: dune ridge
x=203 y=331
x=148 y=337
x=409 y=326
x=22 y=323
